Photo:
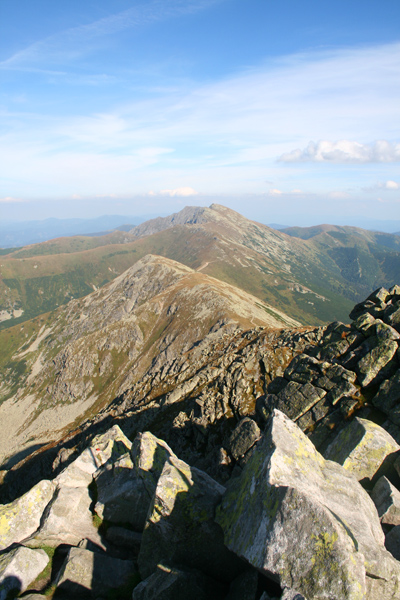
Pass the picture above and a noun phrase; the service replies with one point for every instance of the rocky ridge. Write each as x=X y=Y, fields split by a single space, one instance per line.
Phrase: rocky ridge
x=261 y=402
x=89 y=353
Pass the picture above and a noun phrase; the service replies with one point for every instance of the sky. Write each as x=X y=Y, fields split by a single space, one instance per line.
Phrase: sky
x=288 y=111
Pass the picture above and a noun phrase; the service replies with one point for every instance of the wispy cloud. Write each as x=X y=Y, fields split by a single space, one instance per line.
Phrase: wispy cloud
x=10 y=200
x=223 y=136
x=71 y=44
x=345 y=151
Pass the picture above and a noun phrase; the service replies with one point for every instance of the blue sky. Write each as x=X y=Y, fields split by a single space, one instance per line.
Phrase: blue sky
x=286 y=111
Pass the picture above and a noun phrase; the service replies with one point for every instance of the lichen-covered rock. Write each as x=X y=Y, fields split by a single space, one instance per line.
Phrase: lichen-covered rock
x=110 y=445
x=149 y=455
x=170 y=583
x=376 y=358
x=21 y=518
x=180 y=527
x=19 y=568
x=84 y=570
x=289 y=594
x=125 y=486
x=365 y=449
x=66 y=520
x=291 y=515
x=243 y=437
x=387 y=501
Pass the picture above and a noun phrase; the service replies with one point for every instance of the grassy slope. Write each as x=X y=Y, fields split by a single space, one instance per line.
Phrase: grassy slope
x=340 y=264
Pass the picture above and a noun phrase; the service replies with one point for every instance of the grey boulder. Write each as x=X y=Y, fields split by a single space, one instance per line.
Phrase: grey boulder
x=19 y=568
x=291 y=515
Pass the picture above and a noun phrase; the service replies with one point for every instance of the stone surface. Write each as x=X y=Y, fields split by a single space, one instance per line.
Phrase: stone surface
x=120 y=536
x=364 y=449
x=21 y=518
x=392 y=541
x=67 y=520
x=387 y=501
x=19 y=568
x=387 y=399
x=244 y=586
x=289 y=594
x=110 y=445
x=168 y=583
x=381 y=353
x=291 y=515
x=180 y=527
x=243 y=437
x=121 y=495
x=86 y=571
x=125 y=487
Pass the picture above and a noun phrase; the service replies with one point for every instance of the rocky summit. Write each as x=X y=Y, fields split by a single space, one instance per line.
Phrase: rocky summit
x=171 y=436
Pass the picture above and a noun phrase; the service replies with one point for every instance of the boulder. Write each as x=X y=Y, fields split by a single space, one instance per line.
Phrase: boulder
x=379 y=354
x=80 y=472
x=365 y=449
x=243 y=437
x=110 y=445
x=168 y=583
x=120 y=536
x=290 y=514
x=121 y=495
x=67 y=520
x=21 y=518
x=19 y=568
x=125 y=487
x=387 y=399
x=387 y=501
x=180 y=527
x=86 y=572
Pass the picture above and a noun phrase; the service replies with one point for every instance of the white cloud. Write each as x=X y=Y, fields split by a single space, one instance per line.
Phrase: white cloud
x=345 y=151
x=383 y=185
x=391 y=185
x=183 y=191
x=275 y=192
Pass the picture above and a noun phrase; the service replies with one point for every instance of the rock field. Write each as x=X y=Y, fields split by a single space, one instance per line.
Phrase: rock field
x=272 y=472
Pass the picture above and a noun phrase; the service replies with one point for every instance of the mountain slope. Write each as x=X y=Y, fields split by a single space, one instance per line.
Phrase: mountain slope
x=314 y=280
x=68 y=365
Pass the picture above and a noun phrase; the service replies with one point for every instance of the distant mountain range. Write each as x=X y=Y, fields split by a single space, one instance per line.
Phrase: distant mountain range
x=22 y=233
x=314 y=275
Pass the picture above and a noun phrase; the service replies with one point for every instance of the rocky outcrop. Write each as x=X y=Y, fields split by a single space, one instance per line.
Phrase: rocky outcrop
x=289 y=513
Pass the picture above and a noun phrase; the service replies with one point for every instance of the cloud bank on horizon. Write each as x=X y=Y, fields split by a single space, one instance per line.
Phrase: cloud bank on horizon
x=201 y=98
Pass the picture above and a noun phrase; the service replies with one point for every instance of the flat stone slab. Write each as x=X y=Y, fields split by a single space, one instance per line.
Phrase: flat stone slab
x=86 y=571
x=364 y=449
x=19 y=568
x=171 y=583
x=21 y=518
x=387 y=501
